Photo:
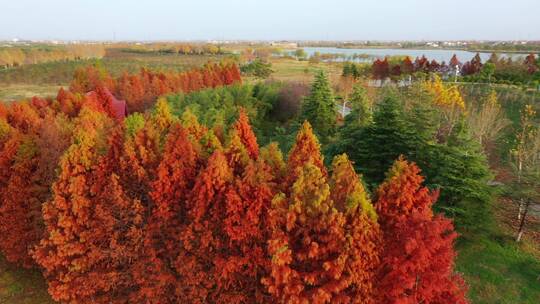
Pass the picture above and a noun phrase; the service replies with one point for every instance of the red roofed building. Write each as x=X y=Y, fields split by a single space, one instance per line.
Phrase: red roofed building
x=118 y=107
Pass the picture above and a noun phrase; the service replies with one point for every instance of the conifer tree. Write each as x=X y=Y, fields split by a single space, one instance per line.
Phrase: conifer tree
x=21 y=225
x=319 y=107
x=175 y=177
x=417 y=259
x=307 y=243
x=362 y=229
x=246 y=134
x=202 y=236
x=86 y=250
x=361 y=114
x=306 y=149
x=381 y=142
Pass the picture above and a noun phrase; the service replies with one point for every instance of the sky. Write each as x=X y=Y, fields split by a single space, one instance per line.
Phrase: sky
x=270 y=20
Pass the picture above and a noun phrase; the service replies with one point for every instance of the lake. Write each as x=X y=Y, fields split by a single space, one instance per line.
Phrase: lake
x=438 y=55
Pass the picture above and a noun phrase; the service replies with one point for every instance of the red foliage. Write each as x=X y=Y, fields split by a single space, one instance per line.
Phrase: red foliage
x=363 y=232
x=380 y=69
x=407 y=66
x=307 y=244
x=151 y=210
x=175 y=177
x=305 y=150
x=417 y=258
x=21 y=197
x=202 y=237
x=246 y=134
x=454 y=62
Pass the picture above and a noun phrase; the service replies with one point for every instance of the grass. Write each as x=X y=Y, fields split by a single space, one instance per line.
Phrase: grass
x=22 y=286
x=287 y=69
x=25 y=91
x=497 y=269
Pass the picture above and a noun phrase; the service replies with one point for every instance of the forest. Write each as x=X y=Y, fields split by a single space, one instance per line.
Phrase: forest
x=222 y=184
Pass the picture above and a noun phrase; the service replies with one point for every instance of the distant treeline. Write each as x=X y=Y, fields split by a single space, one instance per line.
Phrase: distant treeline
x=495 y=69
x=20 y=55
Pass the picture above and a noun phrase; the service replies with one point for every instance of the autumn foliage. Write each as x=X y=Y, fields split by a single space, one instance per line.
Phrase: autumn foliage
x=157 y=208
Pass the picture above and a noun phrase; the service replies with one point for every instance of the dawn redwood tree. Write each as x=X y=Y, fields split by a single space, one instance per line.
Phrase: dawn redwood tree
x=203 y=236
x=454 y=61
x=401 y=193
x=21 y=224
x=407 y=66
x=417 y=257
x=175 y=177
x=362 y=230
x=246 y=134
x=140 y=159
x=90 y=223
x=242 y=260
x=307 y=244
x=306 y=149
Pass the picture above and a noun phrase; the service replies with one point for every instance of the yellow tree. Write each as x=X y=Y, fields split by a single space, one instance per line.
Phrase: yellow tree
x=362 y=230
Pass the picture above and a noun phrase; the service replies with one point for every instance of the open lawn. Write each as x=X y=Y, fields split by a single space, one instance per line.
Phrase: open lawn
x=287 y=69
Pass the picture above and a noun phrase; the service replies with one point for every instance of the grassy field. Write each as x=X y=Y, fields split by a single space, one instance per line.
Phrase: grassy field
x=286 y=69
x=25 y=91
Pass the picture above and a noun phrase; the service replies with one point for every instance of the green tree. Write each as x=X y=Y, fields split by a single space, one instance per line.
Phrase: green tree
x=374 y=148
x=300 y=54
x=319 y=107
x=488 y=70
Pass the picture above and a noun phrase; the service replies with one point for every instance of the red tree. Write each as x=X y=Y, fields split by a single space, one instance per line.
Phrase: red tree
x=417 y=258
x=246 y=134
x=307 y=244
x=175 y=177
x=362 y=230
x=305 y=150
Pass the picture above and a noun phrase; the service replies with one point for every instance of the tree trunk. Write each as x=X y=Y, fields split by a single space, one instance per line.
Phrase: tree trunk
x=522 y=222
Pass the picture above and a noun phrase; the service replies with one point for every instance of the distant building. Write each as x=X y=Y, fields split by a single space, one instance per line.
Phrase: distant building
x=285 y=45
x=119 y=107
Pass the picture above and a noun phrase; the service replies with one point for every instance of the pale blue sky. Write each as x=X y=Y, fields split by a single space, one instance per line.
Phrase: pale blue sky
x=270 y=20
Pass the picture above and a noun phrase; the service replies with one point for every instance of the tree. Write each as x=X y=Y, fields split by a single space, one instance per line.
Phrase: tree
x=380 y=69
x=20 y=211
x=300 y=54
x=90 y=222
x=525 y=164
x=488 y=70
x=175 y=177
x=257 y=68
x=449 y=100
x=407 y=66
x=487 y=120
x=319 y=107
x=374 y=147
x=242 y=260
x=307 y=243
x=246 y=134
x=202 y=236
x=361 y=113
x=305 y=150
x=424 y=274
x=362 y=229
